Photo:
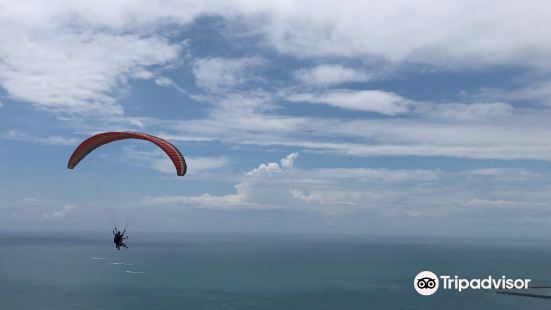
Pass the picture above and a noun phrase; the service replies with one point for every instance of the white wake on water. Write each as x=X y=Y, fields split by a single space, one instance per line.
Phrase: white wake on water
x=117 y=263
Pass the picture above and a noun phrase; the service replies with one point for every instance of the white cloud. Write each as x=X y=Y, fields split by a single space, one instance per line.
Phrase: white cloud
x=372 y=175
x=538 y=92
x=195 y=164
x=59 y=214
x=466 y=112
x=232 y=201
x=167 y=82
x=48 y=140
x=206 y=163
x=234 y=114
x=478 y=134
x=74 y=58
x=324 y=190
x=510 y=175
x=446 y=34
x=365 y=100
x=217 y=74
x=163 y=165
x=478 y=130
x=441 y=33
x=289 y=161
x=502 y=172
x=45 y=46
x=490 y=203
x=77 y=73
x=154 y=158
x=332 y=197
x=270 y=168
x=263 y=169
x=324 y=75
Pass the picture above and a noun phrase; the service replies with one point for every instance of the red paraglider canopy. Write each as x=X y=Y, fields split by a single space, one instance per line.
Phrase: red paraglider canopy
x=92 y=143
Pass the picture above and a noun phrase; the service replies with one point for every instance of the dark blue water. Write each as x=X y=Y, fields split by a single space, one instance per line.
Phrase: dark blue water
x=257 y=272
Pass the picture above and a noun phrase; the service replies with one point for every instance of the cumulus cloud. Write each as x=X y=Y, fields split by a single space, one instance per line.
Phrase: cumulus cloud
x=288 y=161
x=377 y=101
x=324 y=75
x=59 y=214
x=270 y=168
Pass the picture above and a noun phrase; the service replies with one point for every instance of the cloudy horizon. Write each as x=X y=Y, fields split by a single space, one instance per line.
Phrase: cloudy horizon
x=400 y=118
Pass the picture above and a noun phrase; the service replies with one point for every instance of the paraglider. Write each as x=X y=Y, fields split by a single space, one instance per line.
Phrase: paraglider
x=90 y=144
x=93 y=142
x=119 y=239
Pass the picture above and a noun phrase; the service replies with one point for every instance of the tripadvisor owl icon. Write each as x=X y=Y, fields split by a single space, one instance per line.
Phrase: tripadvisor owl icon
x=426 y=283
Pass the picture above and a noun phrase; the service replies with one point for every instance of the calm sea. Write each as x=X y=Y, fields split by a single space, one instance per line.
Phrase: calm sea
x=257 y=272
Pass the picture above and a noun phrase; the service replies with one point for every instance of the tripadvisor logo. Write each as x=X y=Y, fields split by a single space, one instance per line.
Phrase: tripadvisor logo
x=427 y=283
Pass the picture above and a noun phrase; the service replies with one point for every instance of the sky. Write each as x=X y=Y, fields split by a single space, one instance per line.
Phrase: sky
x=426 y=118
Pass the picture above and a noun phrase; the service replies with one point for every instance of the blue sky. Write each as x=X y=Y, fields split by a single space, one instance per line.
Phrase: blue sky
x=294 y=116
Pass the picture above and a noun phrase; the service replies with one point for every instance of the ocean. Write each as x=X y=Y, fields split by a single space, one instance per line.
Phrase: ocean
x=240 y=271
